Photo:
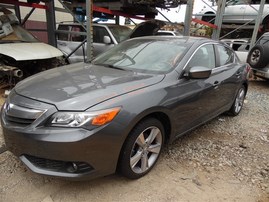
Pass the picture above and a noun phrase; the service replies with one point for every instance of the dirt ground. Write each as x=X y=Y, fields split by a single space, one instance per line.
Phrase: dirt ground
x=224 y=160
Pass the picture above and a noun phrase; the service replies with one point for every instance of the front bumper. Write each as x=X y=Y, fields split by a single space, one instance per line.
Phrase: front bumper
x=64 y=152
x=60 y=150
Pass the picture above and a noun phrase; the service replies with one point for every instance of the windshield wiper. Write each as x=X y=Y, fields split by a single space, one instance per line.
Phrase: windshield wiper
x=113 y=67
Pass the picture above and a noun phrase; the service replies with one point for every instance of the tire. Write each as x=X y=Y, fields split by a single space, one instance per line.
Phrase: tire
x=238 y=102
x=257 y=57
x=140 y=152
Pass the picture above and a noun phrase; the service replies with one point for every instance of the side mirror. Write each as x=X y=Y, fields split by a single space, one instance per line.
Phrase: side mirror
x=107 y=40
x=199 y=72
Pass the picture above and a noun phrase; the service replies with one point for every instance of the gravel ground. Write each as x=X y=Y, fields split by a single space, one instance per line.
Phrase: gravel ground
x=240 y=143
x=224 y=160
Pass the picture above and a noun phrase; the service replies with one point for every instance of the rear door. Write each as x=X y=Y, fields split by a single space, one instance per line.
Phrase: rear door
x=205 y=99
x=228 y=72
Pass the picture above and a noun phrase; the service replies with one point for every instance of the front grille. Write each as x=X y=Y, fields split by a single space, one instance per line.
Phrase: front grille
x=19 y=120
x=20 y=116
x=59 y=166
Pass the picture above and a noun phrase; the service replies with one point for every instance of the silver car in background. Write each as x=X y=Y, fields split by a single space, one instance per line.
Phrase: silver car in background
x=105 y=36
x=237 y=12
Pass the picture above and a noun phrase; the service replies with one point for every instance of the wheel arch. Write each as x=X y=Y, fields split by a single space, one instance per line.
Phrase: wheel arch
x=160 y=115
x=208 y=12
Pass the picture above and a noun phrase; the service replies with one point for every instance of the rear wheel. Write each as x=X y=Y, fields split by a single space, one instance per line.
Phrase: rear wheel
x=238 y=102
x=142 y=148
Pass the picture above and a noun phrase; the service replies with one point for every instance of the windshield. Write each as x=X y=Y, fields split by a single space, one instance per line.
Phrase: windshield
x=144 y=55
x=18 y=35
x=120 y=32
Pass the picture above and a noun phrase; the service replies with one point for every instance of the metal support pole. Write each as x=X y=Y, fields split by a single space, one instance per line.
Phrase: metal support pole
x=219 y=17
x=18 y=12
x=27 y=16
x=164 y=16
x=188 y=17
x=257 y=24
x=117 y=20
x=89 y=12
x=51 y=23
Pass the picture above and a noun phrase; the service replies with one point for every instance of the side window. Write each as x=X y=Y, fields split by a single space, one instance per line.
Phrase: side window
x=204 y=56
x=77 y=37
x=99 y=33
x=226 y=56
x=63 y=36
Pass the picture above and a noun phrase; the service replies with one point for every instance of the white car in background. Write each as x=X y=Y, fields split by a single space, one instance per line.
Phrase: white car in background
x=240 y=46
x=237 y=12
x=21 y=54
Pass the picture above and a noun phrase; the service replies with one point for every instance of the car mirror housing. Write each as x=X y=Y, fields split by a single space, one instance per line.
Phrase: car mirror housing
x=199 y=72
x=107 y=40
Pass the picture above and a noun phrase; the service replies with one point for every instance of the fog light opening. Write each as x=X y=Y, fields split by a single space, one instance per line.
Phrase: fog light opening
x=72 y=167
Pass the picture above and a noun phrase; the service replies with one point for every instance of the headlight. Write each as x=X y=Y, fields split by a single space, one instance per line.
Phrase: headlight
x=83 y=119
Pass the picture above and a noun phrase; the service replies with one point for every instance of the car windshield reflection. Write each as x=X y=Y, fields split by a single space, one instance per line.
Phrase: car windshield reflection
x=144 y=56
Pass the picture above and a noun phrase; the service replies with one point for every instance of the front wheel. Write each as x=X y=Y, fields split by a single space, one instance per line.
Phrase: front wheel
x=142 y=148
x=238 y=102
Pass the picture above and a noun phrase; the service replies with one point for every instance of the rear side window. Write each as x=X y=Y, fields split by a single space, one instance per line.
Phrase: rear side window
x=226 y=56
x=77 y=37
x=63 y=36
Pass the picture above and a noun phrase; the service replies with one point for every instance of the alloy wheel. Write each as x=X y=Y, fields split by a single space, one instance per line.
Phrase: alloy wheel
x=146 y=150
x=255 y=57
x=239 y=100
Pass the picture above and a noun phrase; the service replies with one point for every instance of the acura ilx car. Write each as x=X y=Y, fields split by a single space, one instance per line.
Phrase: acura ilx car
x=88 y=120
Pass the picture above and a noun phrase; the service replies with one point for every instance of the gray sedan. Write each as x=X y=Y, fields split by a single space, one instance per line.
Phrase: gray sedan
x=89 y=120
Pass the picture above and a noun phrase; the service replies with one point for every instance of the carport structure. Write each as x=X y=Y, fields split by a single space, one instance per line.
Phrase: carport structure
x=137 y=9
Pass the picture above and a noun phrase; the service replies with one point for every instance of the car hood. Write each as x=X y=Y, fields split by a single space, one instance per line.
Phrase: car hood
x=147 y=28
x=81 y=86
x=29 y=51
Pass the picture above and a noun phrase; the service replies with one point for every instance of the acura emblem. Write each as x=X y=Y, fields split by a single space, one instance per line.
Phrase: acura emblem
x=9 y=107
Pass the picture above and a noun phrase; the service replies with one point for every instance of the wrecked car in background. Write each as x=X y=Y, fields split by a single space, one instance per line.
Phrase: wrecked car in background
x=21 y=54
